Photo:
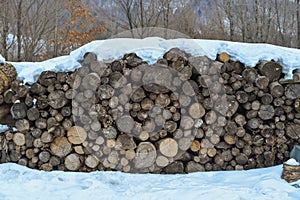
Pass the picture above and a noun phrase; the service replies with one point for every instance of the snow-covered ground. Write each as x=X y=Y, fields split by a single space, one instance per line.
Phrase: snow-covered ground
x=18 y=182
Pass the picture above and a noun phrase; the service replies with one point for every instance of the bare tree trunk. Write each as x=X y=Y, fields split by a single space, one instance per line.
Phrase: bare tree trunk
x=56 y=30
x=19 y=29
x=298 y=22
x=142 y=13
x=257 y=5
x=281 y=25
x=220 y=17
x=5 y=29
x=231 y=19
x=268 y=22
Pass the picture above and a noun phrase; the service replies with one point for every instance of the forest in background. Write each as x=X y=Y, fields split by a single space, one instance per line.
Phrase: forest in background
x=35 y=30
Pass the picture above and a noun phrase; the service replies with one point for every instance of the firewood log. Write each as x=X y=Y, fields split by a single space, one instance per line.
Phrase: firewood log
x=145 y=155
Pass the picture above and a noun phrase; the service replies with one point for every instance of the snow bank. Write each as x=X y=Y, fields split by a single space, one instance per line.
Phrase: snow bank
x=150 y=49
x=18 y=182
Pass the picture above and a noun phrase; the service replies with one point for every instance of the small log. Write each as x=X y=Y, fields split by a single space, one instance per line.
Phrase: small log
x=212 y=152
x=255 y=105
x=61 y=146
x=219 y=162
x=267 y=131
x=22 y=125
x=163 y=100
x=147 y=104
x=188 y=89
x=292 y=91
x=231 y=127
x=223 y=57
x=44 y=156
x=258 y=140
x=229 y=139
x=105 y=91
x=233 y=106
x=292 y=130
x=8 y=96
x=4 y=110
x=41 y=123
x=47 y=78
x=170 y=126
x=46 y=137
x=72 y=162
x=262 y=82
x=176 y=167
x=91 y=81
x=240 y=120
x=242 y=96
x=127 y=142
x=19 y=139
x=33 y=114
x=157 y=79
x=67 y=124
x=196 y=145
x=186 y=122
x=18 y=110
x=76 y=135
x=192 y=166
x=271 y=69
x=266 y=112
x=196 y=110
x=92 y=161
x=276 y=89
x=278 y=102
x=267 y=99
x=110 y=132
x=254 y=123
x=145 y=155
x=168 y=147
x=250 y=74
x=125 y=124
x=210 y=117
x=162 y=161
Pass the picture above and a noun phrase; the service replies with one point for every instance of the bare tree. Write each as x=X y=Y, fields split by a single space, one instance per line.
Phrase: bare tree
x=4 y=20
x=298 y=21
x=19 y=14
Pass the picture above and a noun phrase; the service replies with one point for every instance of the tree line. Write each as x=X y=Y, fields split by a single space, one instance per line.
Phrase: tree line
x=34 y=30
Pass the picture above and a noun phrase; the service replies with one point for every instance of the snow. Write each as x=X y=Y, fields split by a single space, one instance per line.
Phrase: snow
x=153 y=48
x=18 y=182
x=2 y=59
x=3 y=128
x=292 y=161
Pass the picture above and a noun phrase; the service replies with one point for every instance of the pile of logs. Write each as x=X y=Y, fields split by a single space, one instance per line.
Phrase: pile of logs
x=182 y=114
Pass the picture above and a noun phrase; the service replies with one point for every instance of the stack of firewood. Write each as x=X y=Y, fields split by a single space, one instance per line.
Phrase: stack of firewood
x=179 y=115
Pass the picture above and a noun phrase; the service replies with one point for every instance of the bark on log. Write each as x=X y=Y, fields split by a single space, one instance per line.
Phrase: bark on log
x=271 y=69
x=292 y=91
x=276 y=89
